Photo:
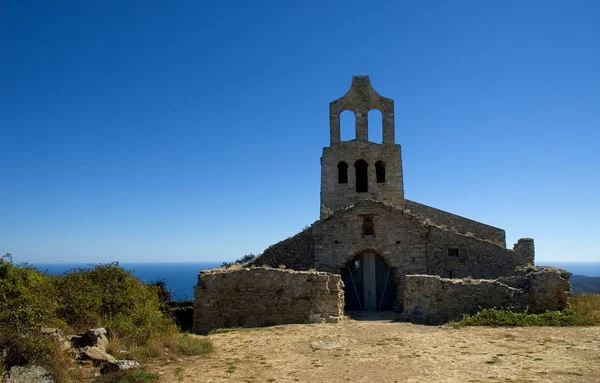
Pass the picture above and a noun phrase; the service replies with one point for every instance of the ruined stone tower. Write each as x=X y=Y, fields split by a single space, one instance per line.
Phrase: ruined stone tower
x=359 y=169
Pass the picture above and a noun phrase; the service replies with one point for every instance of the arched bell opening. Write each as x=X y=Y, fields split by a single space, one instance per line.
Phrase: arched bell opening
x=369 y=283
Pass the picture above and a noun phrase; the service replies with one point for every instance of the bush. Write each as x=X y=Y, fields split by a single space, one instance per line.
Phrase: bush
x=493 y=317
x=26 y=297
x=583 y=310
x=110 y=296
x=103 y=295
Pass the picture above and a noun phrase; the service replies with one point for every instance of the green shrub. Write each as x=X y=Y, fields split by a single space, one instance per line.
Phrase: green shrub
x=493 y=317
x=27 y=302
x=102 y=295
x=583 y=310
x=128 y=376
x=110 y=296
x=26 y=297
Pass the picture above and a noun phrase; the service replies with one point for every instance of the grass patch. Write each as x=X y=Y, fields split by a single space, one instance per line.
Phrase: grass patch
x=164 y=345
x=230 y=368
x=179 y=374
x=191 y=345
x=583 y=310
x=587 y=305
x=493 y=317
x=128 y=376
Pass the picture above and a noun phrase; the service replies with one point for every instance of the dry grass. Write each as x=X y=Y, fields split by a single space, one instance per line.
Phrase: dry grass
x=165 y=346
x=588 y=305
x=385 y=351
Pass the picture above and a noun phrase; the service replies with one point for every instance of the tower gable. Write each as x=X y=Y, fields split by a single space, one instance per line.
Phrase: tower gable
x=361 y=98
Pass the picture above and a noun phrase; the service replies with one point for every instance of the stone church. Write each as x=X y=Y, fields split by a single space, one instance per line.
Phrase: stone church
x=373 y=236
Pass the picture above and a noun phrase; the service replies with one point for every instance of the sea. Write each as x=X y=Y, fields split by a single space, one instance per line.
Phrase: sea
x=181 y=278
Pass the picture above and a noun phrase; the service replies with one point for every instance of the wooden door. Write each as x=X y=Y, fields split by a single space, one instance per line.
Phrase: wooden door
x=370 y=282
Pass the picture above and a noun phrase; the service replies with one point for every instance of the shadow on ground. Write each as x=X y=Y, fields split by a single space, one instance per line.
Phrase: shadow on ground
x=373 y=316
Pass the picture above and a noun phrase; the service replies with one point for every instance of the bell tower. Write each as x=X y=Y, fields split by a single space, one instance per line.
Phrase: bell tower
x=359 y=169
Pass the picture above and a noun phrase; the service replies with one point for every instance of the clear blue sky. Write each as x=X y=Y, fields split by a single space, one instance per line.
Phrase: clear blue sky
x=192 y=130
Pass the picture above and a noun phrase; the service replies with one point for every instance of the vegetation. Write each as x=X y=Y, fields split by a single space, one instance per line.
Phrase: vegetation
x=240 y=261
x=587 y=305
x=584 y=310
x=134 y=314
x=128 y=376
x=325 y=212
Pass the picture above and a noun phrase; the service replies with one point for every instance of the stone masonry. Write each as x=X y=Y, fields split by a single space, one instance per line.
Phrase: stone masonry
x=430 y=299
x=253 y=297
x=409 y=244
x=336 y=195
x=457 y=223
x=385 y=251
x=363 y=211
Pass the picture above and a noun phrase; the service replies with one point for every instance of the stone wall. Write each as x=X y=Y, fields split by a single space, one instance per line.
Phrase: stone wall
x=250 y=297
x=526 y=248
x=295 y=253
x=457 y=223
x=337 y=196
x=476 y=258
x=408 y=246
x=434 y=300
x=398 y=239
x=546 y=288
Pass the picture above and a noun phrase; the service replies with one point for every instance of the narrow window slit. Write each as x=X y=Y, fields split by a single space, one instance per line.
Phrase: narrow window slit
x=342 y=172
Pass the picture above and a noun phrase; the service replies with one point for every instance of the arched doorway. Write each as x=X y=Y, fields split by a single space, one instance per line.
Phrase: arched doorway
x=368 y=283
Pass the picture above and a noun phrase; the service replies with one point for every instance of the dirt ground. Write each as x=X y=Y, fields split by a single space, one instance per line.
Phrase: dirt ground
x=385 y=351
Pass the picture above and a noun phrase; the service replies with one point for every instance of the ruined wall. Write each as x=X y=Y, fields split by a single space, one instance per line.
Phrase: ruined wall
x=526 y=248
x=429 y=299
x=296 y=253
x=546 y=288
x=476 y=258
x=249 y=297
x=433 y=300
x=457 y=223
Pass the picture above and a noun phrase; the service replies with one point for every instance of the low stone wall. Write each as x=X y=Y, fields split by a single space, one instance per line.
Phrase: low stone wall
x=545 y=288
x=252 y=297
x=431 y=299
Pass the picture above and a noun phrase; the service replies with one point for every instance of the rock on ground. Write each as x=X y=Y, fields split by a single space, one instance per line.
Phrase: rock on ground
x=28 y=374
x=96 y=354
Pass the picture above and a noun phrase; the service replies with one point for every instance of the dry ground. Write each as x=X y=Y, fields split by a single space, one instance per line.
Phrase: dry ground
x=384 y=351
